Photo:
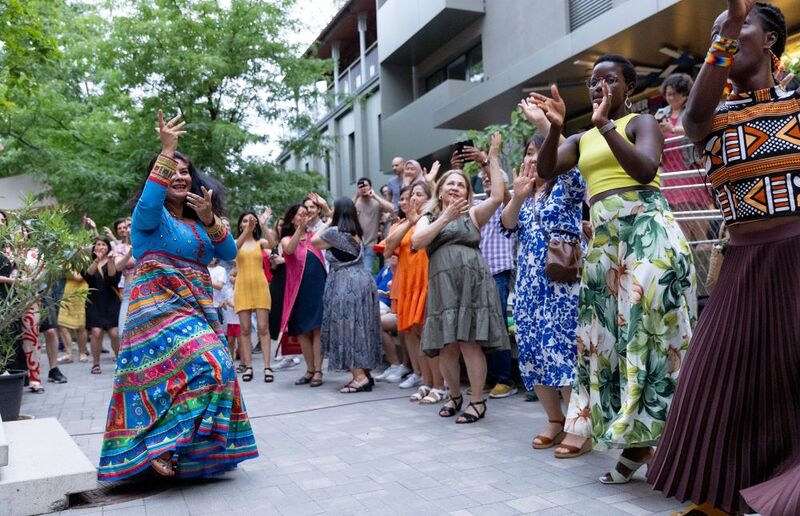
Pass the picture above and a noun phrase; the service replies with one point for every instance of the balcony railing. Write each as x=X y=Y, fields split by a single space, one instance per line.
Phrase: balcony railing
x=351 y=81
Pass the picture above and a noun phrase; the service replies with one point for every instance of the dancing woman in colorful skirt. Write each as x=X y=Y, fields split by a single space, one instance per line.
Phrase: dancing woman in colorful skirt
x=176 y=405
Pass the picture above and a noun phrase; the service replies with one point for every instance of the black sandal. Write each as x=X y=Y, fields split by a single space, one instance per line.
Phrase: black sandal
x=316 y=382
x=447 y=411
x=354 y=386
x=248 y=374
x=472 y=418
x=306 y=378
x=268 y=376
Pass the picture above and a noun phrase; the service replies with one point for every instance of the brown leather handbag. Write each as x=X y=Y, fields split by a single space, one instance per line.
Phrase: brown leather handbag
x=564 y=262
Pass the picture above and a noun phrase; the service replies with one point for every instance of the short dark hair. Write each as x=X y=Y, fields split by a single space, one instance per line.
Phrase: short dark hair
x=680 y=82
x=119 y=221
x=363 y=179
x=345 y=217
x=628 y=70
x=100 y=238
x=537 y=140
x=256 y=230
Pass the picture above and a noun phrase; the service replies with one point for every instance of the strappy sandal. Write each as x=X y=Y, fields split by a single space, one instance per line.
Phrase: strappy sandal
x=240 y=368
x=306 y=378
x=450 y=411
x=162 y=465
x=355 y=386
x=422 y=391
x=573 y=451
x=615 y=477
x=248 y=374
x=95 y=369
x=466 y=418
x=548 y=442
x=269 y=377
x=433 y=397
x=316 y=382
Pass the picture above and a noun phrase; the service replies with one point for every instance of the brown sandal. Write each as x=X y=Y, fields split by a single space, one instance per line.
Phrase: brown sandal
x=316 y=382
x=162 y=465
x=573 y=451
x=548 y=442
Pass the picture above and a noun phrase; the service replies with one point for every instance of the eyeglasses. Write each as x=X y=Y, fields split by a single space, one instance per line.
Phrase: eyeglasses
x=592 y=82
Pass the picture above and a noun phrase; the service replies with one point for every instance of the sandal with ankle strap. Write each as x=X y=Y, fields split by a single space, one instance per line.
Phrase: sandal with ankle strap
x=269 y=377
x=615 y=477
x=434 y=396
x=316 y=382
x=355 y=386
x=447 y=411
x=248 y=374
x=306 y=378
x=422 y=391
x=469 y=418
x=548 y=442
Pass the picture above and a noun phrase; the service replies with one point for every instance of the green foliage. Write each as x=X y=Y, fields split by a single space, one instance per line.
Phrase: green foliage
x=260 y=183
x=515 y=134
x=42 y=251
x=86 y=129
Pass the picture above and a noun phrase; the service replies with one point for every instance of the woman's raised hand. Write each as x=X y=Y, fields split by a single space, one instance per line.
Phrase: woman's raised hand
x=531 y=111
x=430 y=177
x=203 y=207
x=169 y=133
x=739 y=9
x=523 y=183
x=554 y=108
x=601 y=110
x=455 y=209
x=495 y=146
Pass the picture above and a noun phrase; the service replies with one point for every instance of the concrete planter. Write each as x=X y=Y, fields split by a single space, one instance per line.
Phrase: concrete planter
x=11 y=385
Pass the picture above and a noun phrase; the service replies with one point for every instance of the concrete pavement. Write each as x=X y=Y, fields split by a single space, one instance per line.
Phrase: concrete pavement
x=323 y=452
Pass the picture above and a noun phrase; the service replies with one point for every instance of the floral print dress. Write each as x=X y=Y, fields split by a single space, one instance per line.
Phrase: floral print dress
x=638 y=306
x=545 y=311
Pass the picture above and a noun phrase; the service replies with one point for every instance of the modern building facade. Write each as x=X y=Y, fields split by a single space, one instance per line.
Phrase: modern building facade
x=447 y=66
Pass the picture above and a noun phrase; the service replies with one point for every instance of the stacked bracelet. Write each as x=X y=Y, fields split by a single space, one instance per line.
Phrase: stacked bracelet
x=723 y=44
x=163 y=170
x=720 y=60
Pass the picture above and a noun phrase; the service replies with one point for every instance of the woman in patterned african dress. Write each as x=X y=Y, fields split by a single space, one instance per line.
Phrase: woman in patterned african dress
x=176 y=405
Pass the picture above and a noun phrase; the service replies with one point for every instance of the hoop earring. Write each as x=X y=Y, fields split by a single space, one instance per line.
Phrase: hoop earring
x=628 y=103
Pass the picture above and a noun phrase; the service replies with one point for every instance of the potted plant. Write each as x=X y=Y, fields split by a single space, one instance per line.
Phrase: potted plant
x=41 y=245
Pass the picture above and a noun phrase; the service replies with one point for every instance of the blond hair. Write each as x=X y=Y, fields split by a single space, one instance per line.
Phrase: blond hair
x=434 y=206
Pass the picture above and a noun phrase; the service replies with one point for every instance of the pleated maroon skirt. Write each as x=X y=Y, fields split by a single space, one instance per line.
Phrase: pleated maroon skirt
x=733 y=433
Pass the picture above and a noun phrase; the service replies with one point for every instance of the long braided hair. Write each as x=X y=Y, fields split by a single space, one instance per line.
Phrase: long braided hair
x=773 y=20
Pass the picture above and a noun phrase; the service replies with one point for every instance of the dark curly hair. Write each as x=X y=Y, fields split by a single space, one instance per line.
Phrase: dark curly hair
x=680 y=82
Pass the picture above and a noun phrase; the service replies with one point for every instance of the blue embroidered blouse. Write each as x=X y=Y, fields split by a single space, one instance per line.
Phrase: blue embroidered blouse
x=154 y=229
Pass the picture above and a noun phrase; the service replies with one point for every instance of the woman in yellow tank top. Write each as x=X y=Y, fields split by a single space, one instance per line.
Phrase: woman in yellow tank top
x=251 y=293
x=637 y=298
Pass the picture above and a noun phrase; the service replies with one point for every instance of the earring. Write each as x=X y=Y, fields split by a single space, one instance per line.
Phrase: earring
x=628 y=103
x=777 y=64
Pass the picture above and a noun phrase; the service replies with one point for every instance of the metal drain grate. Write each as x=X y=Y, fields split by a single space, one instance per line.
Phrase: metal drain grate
x=124 y=491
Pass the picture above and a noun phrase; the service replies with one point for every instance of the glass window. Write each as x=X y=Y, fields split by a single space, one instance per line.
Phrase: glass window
x=434 y=79
x=475 y=64
x=457 y=69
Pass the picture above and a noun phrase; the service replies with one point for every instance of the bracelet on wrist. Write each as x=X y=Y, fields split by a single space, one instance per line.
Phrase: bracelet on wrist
x=723 y=44
x=607 y=127
x=719 y=59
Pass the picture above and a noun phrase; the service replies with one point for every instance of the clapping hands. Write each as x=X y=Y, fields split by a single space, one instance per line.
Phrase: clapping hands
x=455 y=210
x=554 y=108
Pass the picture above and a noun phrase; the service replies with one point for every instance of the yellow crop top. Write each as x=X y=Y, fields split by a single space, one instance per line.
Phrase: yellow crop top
x=598 y=165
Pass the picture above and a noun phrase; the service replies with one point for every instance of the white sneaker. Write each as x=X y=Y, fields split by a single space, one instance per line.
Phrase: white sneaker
x=397 y=375
x=386 y=372
x=284 y=363
x=411 y=380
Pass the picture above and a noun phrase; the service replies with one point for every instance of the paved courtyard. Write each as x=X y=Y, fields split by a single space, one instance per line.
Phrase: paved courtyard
x=369 y=453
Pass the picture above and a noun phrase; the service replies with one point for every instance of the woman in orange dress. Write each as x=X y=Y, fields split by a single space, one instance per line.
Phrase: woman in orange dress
x=411 y=281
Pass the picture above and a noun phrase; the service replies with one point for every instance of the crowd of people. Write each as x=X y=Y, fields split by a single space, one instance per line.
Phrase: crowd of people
x=415 y=279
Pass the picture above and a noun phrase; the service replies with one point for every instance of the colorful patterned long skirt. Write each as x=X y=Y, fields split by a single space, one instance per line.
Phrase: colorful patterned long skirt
x=31 y=345
x=637 y=310
x=175 y=388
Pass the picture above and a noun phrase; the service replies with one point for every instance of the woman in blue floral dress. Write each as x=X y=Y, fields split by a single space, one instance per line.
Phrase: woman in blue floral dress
x=545 y=311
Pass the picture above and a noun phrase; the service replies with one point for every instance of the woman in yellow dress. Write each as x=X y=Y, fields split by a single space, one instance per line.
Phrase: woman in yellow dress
x=251 y=293
x=72 y=317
